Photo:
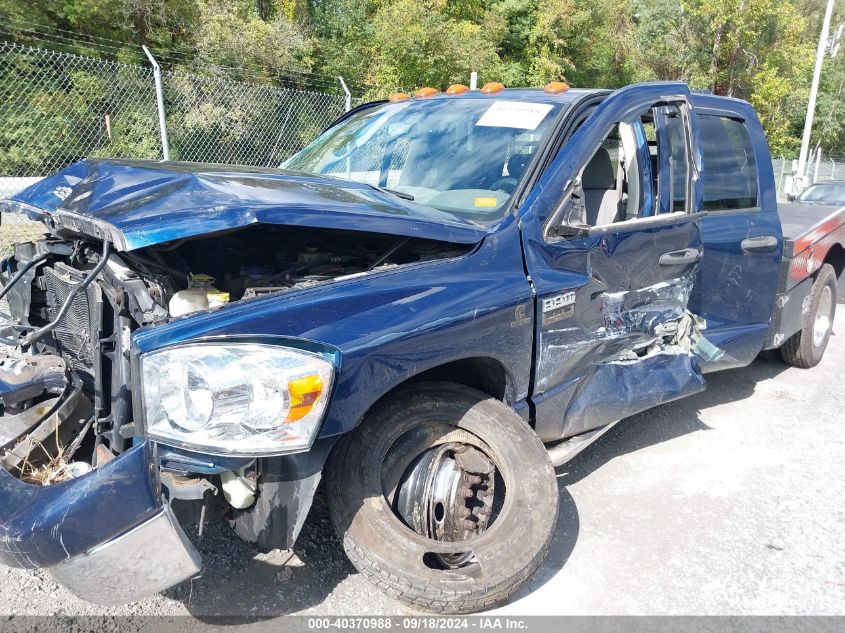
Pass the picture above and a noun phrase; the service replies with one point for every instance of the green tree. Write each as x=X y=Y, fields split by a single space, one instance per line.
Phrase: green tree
x=760 y=50
x=232 y=34
x=343 y=35
x=417 y=43
x=829 y=129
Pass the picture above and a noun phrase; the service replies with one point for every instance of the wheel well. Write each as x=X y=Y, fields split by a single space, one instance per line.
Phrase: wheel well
x=836 y=258
x=482 y=373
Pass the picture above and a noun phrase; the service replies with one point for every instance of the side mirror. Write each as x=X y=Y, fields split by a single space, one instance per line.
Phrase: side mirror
x=571 y=230
x=791 y=197
x=570 y=218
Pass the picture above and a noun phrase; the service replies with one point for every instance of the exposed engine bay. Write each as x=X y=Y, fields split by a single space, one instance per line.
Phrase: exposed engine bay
x=262 y=260
x=74 y=304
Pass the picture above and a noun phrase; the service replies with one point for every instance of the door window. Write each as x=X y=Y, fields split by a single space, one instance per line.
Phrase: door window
x=672 y=138
x=730 y=170
x=639 y=170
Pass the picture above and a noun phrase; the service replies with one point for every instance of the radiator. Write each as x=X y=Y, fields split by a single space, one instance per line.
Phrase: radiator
x=77 y=332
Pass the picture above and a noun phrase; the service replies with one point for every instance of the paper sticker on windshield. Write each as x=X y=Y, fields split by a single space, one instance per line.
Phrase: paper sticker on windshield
x=516 y=114
x=486 y=202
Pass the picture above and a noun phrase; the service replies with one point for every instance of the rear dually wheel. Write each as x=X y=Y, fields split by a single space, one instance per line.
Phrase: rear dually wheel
x=806 y=347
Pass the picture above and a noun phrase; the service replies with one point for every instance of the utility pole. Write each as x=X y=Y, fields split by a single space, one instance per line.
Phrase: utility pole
x=798 y=180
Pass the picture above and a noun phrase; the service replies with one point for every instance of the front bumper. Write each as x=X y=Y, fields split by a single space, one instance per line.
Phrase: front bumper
x=108 y=536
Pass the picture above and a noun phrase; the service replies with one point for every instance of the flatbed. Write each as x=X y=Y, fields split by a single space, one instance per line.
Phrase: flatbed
x=813 y=234
x=804 y=224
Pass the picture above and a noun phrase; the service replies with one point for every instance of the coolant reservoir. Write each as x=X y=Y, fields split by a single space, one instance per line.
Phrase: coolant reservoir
x=201 y=295
x=187 y=301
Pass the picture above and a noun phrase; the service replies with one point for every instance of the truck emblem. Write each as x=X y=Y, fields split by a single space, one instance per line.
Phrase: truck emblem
x=559 y=307
x=62 y=192
x=519 y=316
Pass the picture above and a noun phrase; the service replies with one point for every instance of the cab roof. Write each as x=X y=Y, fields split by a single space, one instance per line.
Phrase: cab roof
x=537 y=95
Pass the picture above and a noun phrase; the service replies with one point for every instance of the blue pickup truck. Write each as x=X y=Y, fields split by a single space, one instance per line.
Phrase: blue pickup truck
x=428 y=308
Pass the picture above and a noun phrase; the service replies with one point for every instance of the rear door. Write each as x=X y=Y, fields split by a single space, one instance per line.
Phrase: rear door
x=741 y=233
x=612 y=247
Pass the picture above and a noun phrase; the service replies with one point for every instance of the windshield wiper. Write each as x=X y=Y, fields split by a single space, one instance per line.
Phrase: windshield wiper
x=394 y=192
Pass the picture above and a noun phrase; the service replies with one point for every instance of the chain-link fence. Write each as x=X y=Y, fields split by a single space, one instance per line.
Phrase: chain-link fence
x=58 y=108
x=214 y=119
x=818 y=170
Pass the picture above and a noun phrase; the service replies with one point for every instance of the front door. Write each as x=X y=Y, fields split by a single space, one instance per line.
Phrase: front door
x=612 y=246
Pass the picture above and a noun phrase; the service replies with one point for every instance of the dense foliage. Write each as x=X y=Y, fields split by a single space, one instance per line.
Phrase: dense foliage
x=760 y=50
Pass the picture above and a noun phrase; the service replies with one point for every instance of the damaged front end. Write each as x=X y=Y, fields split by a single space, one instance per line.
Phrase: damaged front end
x=91 y=480
x=78 y=495
x=94 y=532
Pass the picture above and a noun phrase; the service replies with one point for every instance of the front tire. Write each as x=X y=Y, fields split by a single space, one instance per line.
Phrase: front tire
x=806 y=347
x=401 y=449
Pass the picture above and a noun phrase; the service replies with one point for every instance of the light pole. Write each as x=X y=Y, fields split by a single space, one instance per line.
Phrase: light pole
x=824 y=45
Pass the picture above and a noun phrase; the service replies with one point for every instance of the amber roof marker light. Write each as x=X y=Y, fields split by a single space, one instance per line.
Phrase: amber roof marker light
x=427 y=92
x=396 y=97
x=556 y=87
x=457 y=89
x=492 y=87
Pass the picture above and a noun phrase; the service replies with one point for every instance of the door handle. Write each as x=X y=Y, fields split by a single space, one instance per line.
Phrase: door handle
x=680 y=258
x=758 y=244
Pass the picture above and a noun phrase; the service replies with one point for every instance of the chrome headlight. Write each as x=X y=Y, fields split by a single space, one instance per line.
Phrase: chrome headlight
x=235 y=398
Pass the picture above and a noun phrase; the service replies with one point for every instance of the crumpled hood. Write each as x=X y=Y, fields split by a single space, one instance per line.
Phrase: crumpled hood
x=135 y=204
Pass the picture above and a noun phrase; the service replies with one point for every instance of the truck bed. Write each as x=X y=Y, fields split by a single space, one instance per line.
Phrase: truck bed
x=804 y=224
x=809 y=232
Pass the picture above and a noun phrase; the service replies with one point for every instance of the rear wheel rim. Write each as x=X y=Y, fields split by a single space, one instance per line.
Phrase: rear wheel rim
x=821 y=324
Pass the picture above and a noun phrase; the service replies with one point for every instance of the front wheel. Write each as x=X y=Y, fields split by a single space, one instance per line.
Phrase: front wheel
x=806 y=347
x=444 y=498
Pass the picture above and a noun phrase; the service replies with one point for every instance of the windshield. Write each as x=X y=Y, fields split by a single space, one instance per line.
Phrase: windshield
x=462 y=156
x=833 y=193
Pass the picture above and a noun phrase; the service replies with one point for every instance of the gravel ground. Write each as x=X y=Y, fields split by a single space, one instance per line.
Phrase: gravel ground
x=728 y=502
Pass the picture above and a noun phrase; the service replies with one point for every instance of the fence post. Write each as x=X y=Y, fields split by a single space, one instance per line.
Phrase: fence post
x=348 y=102
x=279 y=136
x=162 y=125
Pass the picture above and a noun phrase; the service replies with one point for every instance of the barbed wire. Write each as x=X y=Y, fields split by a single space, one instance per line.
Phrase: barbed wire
x=248 y=72
x=61 y=107
x=112 y=47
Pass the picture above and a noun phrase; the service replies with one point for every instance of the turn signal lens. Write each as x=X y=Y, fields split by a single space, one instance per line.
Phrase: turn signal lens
x=304 y=393
x=457 y=89
x=555 y=87
x=427 y=92
x=399 y=96
x=492 y=87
